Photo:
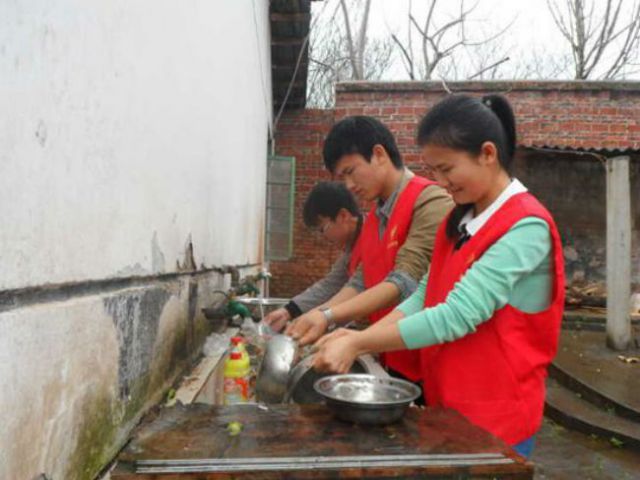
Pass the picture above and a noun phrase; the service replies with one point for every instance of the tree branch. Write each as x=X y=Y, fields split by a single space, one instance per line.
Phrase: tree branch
x=350 y=44
x=493 y=65
x=407 y=57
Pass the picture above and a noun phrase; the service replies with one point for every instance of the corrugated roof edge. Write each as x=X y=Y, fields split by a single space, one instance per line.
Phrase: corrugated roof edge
x=569 y=149
x=503 y=86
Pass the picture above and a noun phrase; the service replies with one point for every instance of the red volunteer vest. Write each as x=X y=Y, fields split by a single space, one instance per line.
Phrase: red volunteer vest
x=496 y=375
x=356 y=255
x=379 y=257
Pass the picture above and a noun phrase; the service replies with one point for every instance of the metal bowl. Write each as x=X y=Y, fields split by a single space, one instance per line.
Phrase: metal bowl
x=367 y=399
x=280 y=355
x=303 y=377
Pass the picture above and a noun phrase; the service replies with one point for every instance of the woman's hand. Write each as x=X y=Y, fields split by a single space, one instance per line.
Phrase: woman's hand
x=340 y=332
x=337 y=351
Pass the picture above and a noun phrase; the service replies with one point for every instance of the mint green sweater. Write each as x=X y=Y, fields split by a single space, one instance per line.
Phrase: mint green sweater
x=515 y=271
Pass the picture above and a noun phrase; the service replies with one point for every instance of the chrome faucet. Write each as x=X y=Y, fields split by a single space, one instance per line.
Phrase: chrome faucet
x=265 y=275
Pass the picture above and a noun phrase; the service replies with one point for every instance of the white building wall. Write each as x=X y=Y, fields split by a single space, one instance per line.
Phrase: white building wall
x=126 y=128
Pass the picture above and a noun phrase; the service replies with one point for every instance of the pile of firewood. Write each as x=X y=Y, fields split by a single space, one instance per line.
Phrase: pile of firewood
x=586 y=295
x=593 y=296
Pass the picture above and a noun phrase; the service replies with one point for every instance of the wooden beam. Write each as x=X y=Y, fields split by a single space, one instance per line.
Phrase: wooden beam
x=618 y=253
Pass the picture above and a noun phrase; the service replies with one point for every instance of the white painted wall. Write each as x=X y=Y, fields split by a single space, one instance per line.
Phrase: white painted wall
x=126 y=127
x=63 y=365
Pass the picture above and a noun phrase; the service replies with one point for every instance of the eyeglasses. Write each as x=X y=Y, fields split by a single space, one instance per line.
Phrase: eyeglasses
x=323 y=228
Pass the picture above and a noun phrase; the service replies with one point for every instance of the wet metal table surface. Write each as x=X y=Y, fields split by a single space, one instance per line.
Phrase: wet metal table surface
x=290 y=441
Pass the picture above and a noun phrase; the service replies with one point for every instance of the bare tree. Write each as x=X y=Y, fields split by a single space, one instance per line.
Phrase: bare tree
x=537 y=64
x=341 y=51
x=603 y=43
x=485 y=61
x=356 y=46
x=440 y=41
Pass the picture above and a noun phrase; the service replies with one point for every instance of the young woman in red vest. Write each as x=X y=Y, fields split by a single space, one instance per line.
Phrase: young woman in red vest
x=487 y=317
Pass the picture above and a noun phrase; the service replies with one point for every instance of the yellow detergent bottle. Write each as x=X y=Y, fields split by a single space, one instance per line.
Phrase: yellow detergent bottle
x=236 y=377
x=239 y=343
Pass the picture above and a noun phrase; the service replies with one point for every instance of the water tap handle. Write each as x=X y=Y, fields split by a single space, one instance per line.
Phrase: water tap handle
x=236 y=308
x=264 y=274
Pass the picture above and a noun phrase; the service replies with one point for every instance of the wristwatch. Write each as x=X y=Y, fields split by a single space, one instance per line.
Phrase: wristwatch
x=328 y=316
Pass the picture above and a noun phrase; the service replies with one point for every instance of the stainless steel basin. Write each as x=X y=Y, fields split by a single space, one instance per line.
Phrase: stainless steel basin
x=300 y=388
x=367 y=399
x=286 y=372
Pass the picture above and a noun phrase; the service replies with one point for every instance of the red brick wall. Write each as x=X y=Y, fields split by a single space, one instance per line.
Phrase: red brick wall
x=554 y=114
x=301 y=134
x=597 y=115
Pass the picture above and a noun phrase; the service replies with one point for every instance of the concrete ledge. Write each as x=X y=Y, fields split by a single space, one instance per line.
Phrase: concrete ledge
x=568 y=409
x=27 y=296
x=585 y=365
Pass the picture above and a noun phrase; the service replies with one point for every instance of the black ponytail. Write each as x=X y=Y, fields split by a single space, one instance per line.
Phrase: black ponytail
x=461 y=122
x=501 y=108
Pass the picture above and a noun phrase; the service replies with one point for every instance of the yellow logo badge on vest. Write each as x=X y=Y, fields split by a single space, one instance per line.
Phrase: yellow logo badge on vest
x=393 y=242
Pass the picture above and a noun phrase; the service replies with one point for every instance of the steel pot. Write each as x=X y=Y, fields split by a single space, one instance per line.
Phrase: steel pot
x=367 y=399
x=280 y=355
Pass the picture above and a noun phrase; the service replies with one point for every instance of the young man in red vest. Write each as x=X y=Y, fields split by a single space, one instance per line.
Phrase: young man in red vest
x=331 y=210
x=397 y=239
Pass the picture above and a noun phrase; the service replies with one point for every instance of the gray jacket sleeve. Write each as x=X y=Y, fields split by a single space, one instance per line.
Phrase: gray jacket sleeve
x=327 y=287
x=357 y=280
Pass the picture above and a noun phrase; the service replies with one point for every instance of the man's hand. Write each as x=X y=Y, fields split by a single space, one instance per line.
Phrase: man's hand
x=308 y=328
x=337 y=351
x=277 y=319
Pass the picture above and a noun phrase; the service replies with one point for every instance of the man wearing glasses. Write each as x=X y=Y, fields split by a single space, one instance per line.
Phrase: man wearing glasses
x=333 y=212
